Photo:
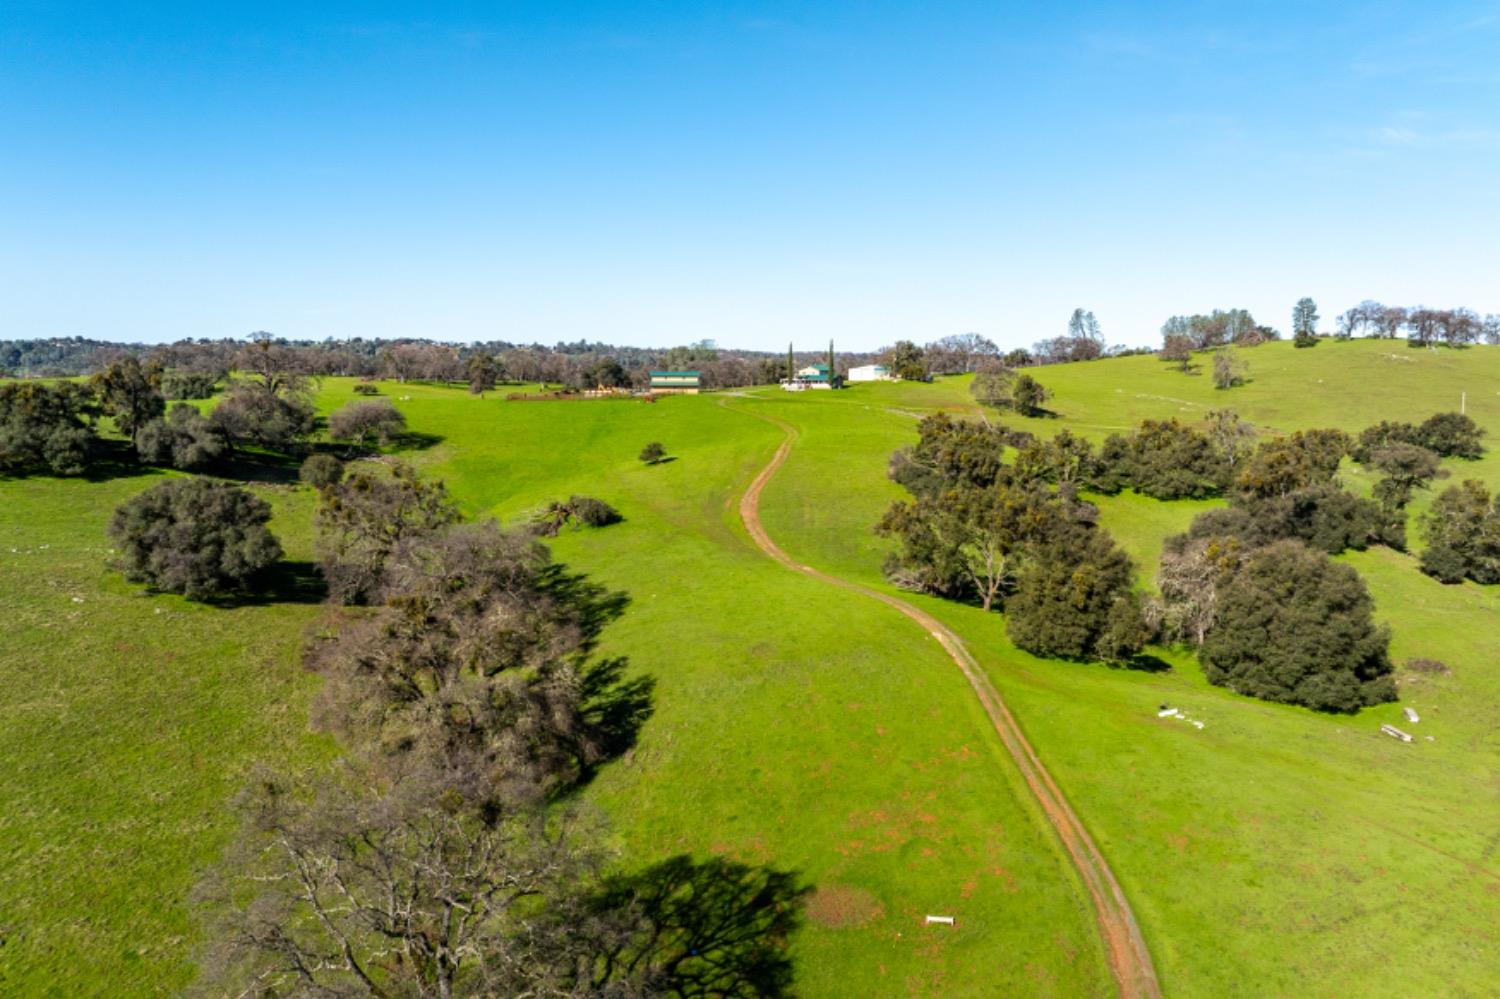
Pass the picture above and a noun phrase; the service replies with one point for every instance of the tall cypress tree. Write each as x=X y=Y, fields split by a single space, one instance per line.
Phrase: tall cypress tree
x=791 y=365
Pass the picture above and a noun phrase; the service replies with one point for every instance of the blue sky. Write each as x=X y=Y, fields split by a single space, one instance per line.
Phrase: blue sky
x=658 y=173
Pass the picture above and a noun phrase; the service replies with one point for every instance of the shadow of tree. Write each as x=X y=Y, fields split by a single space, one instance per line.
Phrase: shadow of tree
x=596 y=605
x=115 y=460
x=1147 y=663
x=415 y=440
x=614 y=711
x=285 y=582
x=718 y=928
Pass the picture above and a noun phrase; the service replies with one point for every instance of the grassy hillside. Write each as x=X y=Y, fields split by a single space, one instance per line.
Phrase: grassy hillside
x=1275 y=852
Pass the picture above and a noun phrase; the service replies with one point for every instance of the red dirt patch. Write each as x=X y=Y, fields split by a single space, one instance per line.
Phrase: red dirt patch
x=841 y=906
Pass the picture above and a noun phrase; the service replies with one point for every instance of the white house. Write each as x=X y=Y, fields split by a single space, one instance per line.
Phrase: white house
x=870 y=373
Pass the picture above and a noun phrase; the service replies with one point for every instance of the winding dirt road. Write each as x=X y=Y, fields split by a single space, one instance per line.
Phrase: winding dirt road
x=1129 y=959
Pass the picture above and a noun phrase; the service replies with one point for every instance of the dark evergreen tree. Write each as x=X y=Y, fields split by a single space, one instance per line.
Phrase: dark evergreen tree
x=1294 y=626
x=1073 y=600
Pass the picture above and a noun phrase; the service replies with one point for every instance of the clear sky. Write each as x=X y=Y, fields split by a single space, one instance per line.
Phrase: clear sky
x=659 y=173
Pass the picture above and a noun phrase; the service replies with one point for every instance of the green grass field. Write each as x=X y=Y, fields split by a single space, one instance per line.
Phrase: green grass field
x=1276 y=852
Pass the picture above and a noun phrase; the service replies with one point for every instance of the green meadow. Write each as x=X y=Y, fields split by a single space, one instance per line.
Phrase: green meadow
x=1275 y=852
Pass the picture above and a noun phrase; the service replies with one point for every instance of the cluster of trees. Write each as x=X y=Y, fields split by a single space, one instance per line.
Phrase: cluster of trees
x=1422 y=326
x=1006 y=536
x=1447 y=435
x=1216 y=329
x=1252 y=586
x=964 y=353
x=995 y=519
x=53 y=427
x=1278 y=621
x=1005 y=388
x=441 y=856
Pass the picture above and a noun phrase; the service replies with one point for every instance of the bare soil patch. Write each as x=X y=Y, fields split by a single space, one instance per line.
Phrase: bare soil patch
x=839 y=907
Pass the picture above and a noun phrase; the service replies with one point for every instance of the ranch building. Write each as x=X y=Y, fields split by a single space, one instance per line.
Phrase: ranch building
x=676 y=382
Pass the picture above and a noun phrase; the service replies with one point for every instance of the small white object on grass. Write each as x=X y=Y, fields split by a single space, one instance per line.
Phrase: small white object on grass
x=1411 y=715
x=1167 y=713
x=945 y=920
x=1395 y=733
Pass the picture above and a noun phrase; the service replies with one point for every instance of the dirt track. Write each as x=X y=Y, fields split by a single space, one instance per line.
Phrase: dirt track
x=1129 y=959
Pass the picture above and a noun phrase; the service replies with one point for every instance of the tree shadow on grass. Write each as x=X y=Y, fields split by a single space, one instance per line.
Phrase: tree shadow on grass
x=595 y=605
x=715 y=928
x=247 y=466
x=116 y=460
x=614 y=709
x=415 y=440
x=286 y=582
x=1147 y=663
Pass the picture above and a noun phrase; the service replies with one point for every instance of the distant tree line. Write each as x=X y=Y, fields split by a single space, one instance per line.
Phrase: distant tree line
x=580 y=365
x=964 y=353
x=1421 y=325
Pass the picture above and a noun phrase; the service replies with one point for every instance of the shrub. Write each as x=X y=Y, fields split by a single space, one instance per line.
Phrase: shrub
x=653 y=453
x=184 y=439
x=1286 y=464
x=321 y=471
x=592 y=512
x=582 y=511
x=362 y=420
x=194 y=536
x=1326 y=517
x=1229 y=370
x=189 y=385
x=1296 y=627
x=366 y=388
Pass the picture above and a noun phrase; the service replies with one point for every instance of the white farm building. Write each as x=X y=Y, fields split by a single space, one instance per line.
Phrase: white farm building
x=870 y=373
